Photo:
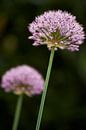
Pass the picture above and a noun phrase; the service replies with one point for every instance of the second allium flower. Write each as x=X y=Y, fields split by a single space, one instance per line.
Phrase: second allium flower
x=23 y=79
x=58 y=29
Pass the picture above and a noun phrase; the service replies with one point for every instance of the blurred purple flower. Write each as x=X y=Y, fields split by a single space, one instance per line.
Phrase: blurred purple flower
x=58 y=29
x=23 y=79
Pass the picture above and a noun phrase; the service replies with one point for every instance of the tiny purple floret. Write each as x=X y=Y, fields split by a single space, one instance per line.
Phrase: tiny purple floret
x=58 y=29
x=23 y=79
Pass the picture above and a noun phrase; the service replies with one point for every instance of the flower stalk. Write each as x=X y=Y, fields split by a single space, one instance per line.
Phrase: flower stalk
x=17 y=112
x=45 y=90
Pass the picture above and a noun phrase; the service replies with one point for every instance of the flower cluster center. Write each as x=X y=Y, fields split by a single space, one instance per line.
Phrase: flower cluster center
x=56 y=40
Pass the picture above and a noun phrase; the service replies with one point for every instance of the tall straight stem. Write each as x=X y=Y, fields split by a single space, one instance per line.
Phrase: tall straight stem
x=45 y=90
x=17 y=112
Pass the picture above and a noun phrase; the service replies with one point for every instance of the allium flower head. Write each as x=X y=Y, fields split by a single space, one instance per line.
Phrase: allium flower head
x=58 y=29
x=23 y=79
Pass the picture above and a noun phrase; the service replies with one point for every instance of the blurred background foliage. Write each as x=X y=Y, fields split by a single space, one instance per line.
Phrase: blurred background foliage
x=65 y=107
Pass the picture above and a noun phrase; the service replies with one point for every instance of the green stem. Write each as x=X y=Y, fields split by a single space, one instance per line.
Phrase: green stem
x=45 y=90
x=17 y=112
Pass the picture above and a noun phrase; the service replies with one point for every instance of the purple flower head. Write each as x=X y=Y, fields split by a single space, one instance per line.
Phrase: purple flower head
x=23 y=79
x=58 y=29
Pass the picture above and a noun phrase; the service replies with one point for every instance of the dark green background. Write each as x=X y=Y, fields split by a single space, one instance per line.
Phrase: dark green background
x=65 y=107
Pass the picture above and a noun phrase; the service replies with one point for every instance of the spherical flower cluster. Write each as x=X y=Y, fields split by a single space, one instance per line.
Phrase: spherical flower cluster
x=23 y=79
x=58 y=29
